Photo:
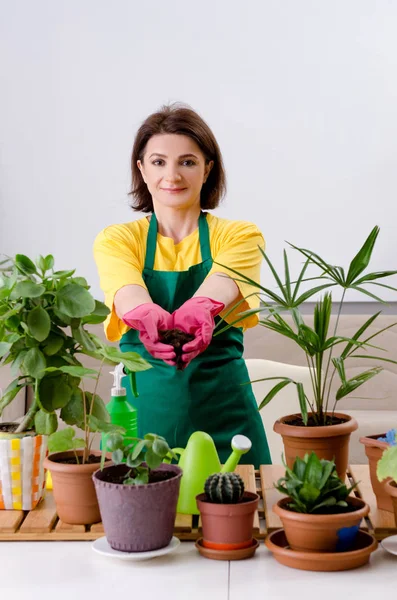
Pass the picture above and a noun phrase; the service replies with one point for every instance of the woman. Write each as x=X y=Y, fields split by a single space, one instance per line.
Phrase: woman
x=159 y=273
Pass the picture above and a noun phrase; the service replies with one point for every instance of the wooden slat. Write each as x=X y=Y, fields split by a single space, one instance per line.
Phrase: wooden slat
x=10 y=520
x=247 y=474
x=97 y=528
x=269 y=475
x=42 y=518
x=62 y=527
x=382 y=520
x=183 y=523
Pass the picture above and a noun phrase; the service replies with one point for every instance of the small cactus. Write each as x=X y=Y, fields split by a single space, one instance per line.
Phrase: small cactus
x=224 y=488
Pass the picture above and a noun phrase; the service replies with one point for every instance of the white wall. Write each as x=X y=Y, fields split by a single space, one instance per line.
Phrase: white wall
x=301 y=95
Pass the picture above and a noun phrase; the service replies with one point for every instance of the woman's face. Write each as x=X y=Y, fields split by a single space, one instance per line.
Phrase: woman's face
x=174 y=170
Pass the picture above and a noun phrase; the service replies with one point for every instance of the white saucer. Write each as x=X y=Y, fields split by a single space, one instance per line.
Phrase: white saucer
x=102 y=546
x=390 y=544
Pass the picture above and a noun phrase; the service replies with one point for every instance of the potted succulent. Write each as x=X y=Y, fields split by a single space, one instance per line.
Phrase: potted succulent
x=386 y=471
x=318 y=514
x=317 y=426
x=138 y=494
x=374 y=448
x=44 y=315
x=227 y=515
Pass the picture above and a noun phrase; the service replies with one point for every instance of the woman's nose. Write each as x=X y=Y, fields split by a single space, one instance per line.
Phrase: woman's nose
x=173 y=174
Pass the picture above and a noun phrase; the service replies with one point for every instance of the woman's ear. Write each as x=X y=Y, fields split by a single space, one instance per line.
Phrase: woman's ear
x=207 y=170
x=141 y=168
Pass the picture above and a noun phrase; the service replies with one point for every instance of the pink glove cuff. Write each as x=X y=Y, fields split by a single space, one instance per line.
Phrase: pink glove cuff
x=214 y=306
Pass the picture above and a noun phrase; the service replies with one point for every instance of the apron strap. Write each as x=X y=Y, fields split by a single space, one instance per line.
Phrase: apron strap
x=204 y=236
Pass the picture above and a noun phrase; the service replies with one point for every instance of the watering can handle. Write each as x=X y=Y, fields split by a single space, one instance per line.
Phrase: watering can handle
x=168 y=457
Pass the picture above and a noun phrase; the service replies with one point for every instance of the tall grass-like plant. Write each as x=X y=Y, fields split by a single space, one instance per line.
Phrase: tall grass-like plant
x=326 y=352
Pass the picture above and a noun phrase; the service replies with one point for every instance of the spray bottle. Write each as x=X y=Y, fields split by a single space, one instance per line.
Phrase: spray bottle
x=120 y=410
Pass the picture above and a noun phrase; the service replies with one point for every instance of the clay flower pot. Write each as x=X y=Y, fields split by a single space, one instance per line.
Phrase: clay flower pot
x=73 y=489
x=228 y=526
x=138 y=518
x=321 y=532
x=330 y=442
x=391 y=489
x=374 y=450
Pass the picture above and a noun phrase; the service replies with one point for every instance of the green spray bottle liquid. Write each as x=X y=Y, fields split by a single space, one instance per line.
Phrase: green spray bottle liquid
x=121 y=411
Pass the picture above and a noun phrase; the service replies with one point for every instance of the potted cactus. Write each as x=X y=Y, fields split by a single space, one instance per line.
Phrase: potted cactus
x=138 y=494
x=227 y=515
x=318 y=514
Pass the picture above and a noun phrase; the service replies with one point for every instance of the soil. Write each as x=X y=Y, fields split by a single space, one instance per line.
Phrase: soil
x=118 y=475
x=332 y=510
x=297 y=421
x=177 y=339
x=92 y=459
x=8 y=427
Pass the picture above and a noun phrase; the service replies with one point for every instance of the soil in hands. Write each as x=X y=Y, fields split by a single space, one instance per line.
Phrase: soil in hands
x=118 y=474
x=297 y=421
x=92 y=459
x=177 y=339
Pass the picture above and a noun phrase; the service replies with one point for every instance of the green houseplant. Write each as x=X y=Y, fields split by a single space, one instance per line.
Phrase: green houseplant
x=44 y=316
x=386 y=471
x=318 y=513
x=138 y=493
x=318 y=424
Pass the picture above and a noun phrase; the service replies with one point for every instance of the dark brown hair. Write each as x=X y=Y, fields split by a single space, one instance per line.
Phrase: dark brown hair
x=182 y=120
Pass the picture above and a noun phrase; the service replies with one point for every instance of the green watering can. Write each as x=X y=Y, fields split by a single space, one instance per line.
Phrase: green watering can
x=199 y=460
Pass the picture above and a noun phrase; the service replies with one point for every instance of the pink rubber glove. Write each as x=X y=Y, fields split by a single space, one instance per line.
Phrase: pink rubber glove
x=196 y=316
x=149 y=319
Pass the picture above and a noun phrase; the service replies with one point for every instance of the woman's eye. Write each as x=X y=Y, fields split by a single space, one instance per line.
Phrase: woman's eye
x=188 y=163
x=158 y=162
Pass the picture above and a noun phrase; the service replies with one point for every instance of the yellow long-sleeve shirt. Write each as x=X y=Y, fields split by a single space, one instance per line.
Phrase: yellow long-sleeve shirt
x=119 y=252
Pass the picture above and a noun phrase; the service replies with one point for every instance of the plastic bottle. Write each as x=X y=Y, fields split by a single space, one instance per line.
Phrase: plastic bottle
x=121 y=411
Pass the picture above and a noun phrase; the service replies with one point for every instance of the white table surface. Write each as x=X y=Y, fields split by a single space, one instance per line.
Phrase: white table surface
x=72 y=571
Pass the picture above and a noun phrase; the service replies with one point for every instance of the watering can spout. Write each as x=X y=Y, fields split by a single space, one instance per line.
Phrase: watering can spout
x=240 y=445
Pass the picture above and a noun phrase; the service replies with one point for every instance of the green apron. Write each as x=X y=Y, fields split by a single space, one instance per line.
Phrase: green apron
x=208 y=395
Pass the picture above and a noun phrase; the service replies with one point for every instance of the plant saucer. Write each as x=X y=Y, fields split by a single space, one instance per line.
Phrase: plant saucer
x=390 y=544
x=322 y=561
x=238 y=554
x=102 y=546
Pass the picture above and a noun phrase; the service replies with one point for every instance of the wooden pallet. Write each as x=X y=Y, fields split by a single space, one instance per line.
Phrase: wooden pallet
x=42 y=523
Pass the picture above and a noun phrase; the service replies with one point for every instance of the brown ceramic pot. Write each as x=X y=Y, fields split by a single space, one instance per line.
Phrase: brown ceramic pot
x=374 y=450
x=228 y=526
x=391 y=489
x=73 y=488
x=330 y=442
x=321 y=533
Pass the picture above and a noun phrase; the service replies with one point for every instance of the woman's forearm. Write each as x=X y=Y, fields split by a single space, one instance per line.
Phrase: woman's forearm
x=220 y=287
x=129 y=297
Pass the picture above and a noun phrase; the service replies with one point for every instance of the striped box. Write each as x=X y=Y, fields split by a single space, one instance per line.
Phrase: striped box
x=22 y=476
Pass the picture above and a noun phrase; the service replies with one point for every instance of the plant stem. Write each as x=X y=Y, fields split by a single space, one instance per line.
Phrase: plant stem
x=88 y=442
x=26 y=421
x=330 y=354
x=85 y=425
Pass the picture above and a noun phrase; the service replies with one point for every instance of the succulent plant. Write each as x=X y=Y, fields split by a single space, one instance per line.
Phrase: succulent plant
x=224 y=488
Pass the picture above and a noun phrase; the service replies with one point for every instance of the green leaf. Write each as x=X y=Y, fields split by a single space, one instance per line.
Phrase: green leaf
x=139 y=446
x=160 y=447
x=95 y=424
x=64 y=440
x=152 y=460
x=49 y=262
x=302 y=402
x=135 y=462
x=275 y=390
x=75 y=371
x=372 y=277
x=75 y=301
x=4 y=348
x=340 y=367
x=117 y=456
x=314 y=470
x=98 y=315
x=54 y=393
x=99 y=410
x=39 y=323
x=27 y=289
x=53 y=344
x=387 y=465
x=361 y=261
x=141 y=477
x=132 y=360
x=45 y=423
x=24 y=265
x=9 y=396
x=73 y=412
x=356 y=382
x=62 y=274
x=34 y=363
x=114 y=441
x=309 y=493
x=83 y=338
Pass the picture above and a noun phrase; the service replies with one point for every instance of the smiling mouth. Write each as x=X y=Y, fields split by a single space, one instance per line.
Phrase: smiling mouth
x=173 y=190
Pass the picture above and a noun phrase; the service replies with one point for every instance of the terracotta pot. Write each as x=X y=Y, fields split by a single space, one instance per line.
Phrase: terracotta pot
x=228 y=526
x=374 y=450
x=73 y=489
x=22 y=475
x=138 y=518
x=330 y=442
x=391 y=489
x=321 y=533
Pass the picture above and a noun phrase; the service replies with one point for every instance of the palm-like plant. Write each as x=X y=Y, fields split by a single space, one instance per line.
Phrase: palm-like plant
x=317 y=342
